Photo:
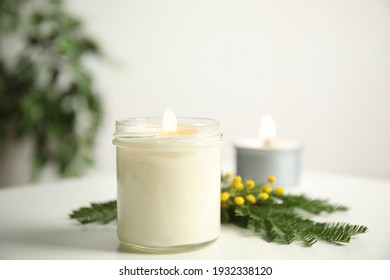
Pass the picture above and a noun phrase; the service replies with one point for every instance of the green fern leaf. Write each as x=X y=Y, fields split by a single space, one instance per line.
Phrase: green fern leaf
x=97 y=212
x=278 y=223
x=315 y=206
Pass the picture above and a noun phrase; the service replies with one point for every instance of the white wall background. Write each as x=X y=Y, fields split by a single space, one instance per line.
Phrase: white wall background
x=321 y=68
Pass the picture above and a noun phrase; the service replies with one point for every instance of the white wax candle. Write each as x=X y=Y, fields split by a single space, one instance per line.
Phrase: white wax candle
x=169 y=186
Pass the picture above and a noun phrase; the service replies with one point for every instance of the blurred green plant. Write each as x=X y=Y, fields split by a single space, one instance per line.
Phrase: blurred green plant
x=46 y=92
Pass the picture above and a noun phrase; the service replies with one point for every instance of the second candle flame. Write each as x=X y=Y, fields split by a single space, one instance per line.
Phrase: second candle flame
x=268 y=130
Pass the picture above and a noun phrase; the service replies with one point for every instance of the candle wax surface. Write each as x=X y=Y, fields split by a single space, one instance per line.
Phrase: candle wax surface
x=178 y=132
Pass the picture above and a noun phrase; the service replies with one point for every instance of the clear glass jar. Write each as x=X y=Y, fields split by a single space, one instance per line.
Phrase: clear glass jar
x=168 y=184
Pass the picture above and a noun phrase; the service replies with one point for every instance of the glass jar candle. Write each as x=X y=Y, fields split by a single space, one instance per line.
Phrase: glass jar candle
x=168 y=182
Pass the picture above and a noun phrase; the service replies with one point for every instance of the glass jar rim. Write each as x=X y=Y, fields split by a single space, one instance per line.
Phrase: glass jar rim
x=148 y=130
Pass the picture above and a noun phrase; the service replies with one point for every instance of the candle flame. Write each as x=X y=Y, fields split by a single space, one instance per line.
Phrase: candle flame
x=268 y=130
x=169 y=121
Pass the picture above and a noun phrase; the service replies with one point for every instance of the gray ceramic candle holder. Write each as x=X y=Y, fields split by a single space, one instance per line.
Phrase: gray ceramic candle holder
x=258 y=163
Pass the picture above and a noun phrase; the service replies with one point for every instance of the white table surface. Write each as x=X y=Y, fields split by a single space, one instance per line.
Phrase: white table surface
x=34 y=223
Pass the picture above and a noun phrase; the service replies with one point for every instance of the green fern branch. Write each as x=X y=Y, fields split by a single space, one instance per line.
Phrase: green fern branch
x=274 y=217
